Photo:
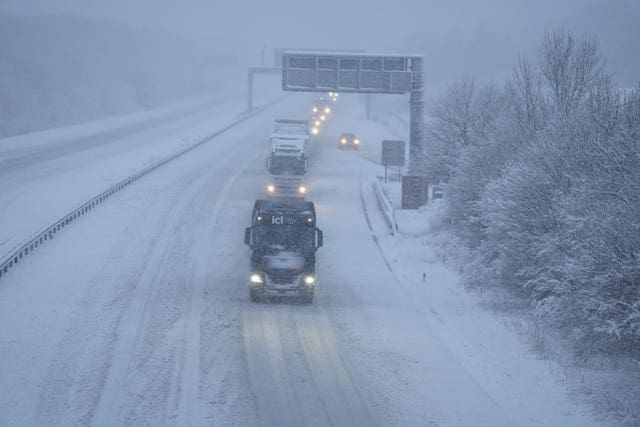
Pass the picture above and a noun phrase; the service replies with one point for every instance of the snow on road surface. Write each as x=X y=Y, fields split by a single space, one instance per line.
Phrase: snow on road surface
x=139 y=314
x=45 y=174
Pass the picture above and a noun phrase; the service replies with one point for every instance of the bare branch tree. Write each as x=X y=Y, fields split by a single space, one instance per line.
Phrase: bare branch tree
x=524 y=93
x=569 y=68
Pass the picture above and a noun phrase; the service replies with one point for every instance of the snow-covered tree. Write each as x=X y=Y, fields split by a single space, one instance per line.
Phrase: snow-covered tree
x=544 y=186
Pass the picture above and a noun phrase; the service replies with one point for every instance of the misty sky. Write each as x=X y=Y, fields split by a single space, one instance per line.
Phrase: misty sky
x=241 y=26
x=458 y=37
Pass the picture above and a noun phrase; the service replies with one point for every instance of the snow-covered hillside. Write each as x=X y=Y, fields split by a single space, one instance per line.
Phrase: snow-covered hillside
x=58 y=70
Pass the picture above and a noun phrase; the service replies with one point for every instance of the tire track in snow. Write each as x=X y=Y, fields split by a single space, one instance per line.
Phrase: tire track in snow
x=75 y=377
x=189 y=386
x=269 y=374
x=342 y=402
x=129 y=336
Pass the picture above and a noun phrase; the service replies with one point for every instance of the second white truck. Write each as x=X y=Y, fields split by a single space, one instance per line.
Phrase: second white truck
x=287 y=161
x=289 y=137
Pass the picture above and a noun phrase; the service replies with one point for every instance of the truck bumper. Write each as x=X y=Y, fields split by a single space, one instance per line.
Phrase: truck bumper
x=284 y=290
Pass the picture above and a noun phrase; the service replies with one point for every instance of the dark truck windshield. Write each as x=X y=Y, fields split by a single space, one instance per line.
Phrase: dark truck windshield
x=285 y=237
x=287 y=165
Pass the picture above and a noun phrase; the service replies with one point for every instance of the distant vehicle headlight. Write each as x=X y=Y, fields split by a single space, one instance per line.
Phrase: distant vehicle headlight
x=356 y=141
x=302 y=189
x=323 y=118
x=317 y=123
x=327 y=110
x=343 y=140
x=271 y=188
x=315 y=110
x=255 y=278
x=309 y=280
x=314 y=131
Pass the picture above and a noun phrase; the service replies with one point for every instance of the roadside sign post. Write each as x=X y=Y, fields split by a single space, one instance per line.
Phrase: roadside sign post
x=318 y=71
x=392 y=155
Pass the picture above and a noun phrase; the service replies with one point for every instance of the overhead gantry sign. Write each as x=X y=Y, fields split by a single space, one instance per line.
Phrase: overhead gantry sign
x=307 y=71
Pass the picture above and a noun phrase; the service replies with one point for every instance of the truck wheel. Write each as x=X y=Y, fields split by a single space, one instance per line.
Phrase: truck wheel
x=255 y=295
x=307 y=297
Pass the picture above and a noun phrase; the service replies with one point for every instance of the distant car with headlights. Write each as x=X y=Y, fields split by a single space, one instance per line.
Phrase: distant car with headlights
x=322 y=108
x=315 y=125
x=316 y=121
x=348 y=140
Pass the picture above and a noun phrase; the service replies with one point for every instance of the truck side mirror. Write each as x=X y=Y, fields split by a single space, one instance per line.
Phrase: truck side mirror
x=247 y=236
x=320 y=237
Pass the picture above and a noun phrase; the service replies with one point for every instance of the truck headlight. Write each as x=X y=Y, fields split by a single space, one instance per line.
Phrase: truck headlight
x=356 y=141
x=314 y=131
x=302 y=189
x=343 y=140
x=317 y=123
x=327 y=110
x=309 y=280
x=315 y=110
x=256 y=278
x=271 y=188
x=323 y=118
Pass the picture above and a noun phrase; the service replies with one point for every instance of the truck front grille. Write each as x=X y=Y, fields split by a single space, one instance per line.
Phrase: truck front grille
x=282 y=276
x=287 y=187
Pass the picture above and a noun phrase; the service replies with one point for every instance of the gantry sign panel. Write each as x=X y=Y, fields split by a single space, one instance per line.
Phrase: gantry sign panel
x=342 y=72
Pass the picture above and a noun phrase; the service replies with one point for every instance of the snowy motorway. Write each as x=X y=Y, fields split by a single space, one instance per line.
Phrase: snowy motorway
x=43 y=175
x=139 y=314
